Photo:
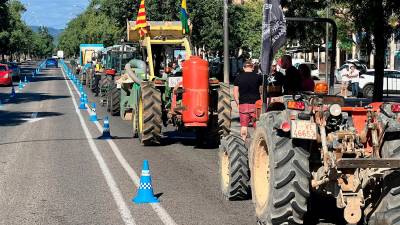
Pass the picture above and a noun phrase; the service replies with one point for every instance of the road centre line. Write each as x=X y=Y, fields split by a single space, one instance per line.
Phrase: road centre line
x=161 y=212
x=118 y=198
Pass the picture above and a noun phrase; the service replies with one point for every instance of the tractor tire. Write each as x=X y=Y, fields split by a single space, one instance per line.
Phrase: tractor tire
x=219 y=124
x=135 y=122
x=234 y=168
x=224 y=110
x=103 y=87
x=368 y=91
x=114 y=98
x=280 y=176
x=150 y=115
x=388 y=211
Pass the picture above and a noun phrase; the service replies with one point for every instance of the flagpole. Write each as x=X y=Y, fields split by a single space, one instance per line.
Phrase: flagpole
x=226 y=43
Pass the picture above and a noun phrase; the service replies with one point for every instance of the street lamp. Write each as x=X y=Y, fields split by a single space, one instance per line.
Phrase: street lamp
x=326 y=41
x=226 y=43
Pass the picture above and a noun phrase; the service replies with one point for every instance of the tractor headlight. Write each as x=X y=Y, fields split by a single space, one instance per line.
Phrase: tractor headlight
x=335 y=110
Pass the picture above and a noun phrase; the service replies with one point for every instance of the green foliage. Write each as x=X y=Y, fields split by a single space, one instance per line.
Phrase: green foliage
x=307 y=35
x=16 y=37
x=245 y=32
x=93 y=26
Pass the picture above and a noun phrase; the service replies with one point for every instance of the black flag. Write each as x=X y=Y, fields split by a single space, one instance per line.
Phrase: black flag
x=273 y=33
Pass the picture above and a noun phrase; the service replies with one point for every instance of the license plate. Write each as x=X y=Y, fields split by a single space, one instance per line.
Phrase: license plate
x=302 y=129
x=119 y=85
x=173 y=81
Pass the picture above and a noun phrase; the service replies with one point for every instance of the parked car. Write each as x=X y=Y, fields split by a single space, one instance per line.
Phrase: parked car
x=313 y=68
x=16 y=71
x=360 y=66
x=391 y=82
x=5 y=75
x=50 y=62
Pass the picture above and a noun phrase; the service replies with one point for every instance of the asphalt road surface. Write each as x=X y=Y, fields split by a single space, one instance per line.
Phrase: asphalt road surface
x=54 y=170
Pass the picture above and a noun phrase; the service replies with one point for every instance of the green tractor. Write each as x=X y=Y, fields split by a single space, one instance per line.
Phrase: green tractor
x=113 y=59
x=154 y=95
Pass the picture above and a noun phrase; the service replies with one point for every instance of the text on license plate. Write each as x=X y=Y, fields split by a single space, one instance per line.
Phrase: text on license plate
x=173 y=81
x=303 y=129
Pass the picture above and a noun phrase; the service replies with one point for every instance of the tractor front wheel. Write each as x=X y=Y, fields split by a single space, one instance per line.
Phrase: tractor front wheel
x=280 y=174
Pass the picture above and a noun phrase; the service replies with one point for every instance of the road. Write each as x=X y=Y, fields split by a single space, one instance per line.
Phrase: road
x=54 y=170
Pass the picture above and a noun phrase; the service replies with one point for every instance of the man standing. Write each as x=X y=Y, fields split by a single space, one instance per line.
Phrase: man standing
x=246 y=92
x=354 y=76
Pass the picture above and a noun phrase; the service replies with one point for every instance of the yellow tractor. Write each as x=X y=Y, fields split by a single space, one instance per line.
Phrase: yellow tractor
x=169 y=86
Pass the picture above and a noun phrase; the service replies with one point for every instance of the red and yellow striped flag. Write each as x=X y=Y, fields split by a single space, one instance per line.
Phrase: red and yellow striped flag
x=141 y=21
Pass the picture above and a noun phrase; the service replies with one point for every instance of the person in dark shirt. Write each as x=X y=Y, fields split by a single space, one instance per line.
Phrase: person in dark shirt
x=246 y=93
x=292 y=76
x=275 y=82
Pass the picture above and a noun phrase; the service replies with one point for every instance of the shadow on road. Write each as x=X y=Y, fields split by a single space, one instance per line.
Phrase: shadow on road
x=329 y=214
x=185 y=138
x=31 y=97
x=44 y=140
x=17 y=118
x=46 y=78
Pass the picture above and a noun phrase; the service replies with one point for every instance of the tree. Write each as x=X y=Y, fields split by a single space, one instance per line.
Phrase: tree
x=4 y=35
x=92 y=26
x=307 y=35
x=43 y=43
x=245 y=32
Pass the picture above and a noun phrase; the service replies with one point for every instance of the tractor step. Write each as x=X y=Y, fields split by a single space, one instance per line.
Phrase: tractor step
x=368 y=163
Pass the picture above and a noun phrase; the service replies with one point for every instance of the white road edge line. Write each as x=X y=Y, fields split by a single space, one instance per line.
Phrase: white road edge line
x=119 y=200
x=161 y=212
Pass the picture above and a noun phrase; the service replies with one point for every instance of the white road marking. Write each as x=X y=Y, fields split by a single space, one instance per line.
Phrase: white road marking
x=119 y=200
x=33 y=118
x=161 y=212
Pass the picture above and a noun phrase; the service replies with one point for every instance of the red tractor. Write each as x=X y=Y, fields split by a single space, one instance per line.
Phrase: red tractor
x=317 y=146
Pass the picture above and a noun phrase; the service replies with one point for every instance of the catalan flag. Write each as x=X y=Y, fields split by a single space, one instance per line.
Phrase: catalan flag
x=141 y=21
x=184 y=18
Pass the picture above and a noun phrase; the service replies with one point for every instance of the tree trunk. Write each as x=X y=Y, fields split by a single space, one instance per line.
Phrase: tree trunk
x=380 y=46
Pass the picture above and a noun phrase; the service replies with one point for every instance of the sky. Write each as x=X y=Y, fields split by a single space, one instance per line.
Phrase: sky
x=52 y=13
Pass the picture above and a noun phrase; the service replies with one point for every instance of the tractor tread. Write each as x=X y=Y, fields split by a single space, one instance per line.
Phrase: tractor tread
x=151 y=99
x=388 y=210
x=289 y=176
x=239 y=173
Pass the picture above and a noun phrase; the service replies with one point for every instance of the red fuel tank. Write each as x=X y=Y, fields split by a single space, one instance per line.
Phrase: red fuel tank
x=195 y=95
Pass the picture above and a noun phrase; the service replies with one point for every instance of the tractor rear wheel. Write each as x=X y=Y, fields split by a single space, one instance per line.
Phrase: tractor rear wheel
x=135 y=122
x=113 y=100
x=150 y=115
x=220 y=116
x=388 y=211
x=224 y=109
x=234 y=168
x=103 y=87
x=280 y=176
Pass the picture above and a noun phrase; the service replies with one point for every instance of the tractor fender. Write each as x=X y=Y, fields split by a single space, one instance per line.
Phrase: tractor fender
x=136 y=69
